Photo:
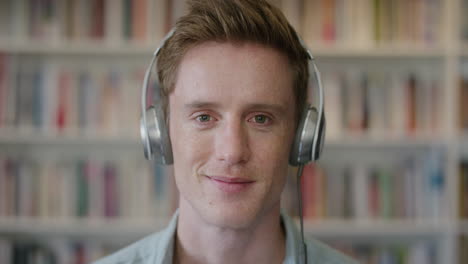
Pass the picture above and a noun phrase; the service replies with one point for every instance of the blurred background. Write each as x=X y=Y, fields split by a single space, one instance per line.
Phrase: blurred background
x=392 y=186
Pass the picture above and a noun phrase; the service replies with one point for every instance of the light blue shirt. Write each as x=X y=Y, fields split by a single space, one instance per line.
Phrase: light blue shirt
x=159 y=248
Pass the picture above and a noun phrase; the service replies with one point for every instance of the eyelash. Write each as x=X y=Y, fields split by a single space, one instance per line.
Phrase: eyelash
x=202 y=115
x=268 y=119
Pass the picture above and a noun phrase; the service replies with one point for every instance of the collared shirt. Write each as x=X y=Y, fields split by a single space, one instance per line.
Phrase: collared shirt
x=159 y=248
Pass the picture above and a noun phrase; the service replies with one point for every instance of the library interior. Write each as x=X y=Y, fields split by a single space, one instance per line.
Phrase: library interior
x=390 y=188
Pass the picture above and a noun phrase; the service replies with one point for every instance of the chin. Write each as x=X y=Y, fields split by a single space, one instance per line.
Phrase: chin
x=232 y=215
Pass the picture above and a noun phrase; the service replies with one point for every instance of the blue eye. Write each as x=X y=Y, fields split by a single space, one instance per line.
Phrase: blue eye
x=261 y=119
x=204 y=118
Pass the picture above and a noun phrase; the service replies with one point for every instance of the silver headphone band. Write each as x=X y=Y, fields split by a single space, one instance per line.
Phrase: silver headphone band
x=143 y=103
x=145 y=88
x=320 y=109
x=168 y=35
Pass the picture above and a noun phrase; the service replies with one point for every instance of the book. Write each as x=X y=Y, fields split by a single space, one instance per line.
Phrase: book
x=56 y=22
x=372 y=23
x=416 y=252
x=94 y=188
x=463 y=249
x=464 y=22
x=53 y=251
x=463 y=172
x=53 y=98
x=411 y=187
x=463 y=97
x=378 y=103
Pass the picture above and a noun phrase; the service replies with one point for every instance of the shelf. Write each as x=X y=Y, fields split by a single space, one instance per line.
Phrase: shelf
x=464 y=227
x=103 y=48
x=463 y=145
x=69 y=140
x=397 y=51
x=383 y=142
x=380 y=228
x=134 y=229
x=464 y=50
x=73 y=48
x=81 y=229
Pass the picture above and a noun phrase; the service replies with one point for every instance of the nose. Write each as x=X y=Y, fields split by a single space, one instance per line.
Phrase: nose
x=232 y=143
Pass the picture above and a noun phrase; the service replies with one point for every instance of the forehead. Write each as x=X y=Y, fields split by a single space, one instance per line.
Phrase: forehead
x=251 y=72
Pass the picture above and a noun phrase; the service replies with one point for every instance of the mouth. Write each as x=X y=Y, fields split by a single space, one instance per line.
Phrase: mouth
x=231 y=185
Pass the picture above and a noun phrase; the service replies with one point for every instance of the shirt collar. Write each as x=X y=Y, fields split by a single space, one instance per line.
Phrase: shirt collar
x=166 y=252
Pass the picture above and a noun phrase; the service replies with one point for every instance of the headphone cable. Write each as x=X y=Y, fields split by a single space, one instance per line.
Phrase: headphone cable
x=299 y=193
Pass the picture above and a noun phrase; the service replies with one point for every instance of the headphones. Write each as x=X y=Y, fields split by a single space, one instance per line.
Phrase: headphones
x=307 y=145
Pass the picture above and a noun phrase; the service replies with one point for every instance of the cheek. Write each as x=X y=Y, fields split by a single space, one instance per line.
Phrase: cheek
x=275 y=148
x=272 y=156
x=189 y=148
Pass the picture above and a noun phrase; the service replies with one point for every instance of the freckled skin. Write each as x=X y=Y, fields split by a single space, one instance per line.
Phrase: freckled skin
x=231 y=115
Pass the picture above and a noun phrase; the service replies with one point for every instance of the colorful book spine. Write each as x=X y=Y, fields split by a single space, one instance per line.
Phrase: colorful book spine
x=53 y=251
x=58 y=21
x=83 y=188
x=416 y=252
x=463 y=98
x=463 y=249
x=464 y=25
x=463 y=212
x=367 y=23
x=382 y=104
x=52 y=99
x=409 y=189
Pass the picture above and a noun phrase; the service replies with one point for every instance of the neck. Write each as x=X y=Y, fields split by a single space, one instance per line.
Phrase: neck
x=200 y=242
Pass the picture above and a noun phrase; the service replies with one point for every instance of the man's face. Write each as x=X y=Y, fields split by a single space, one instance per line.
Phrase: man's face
x=231 y=127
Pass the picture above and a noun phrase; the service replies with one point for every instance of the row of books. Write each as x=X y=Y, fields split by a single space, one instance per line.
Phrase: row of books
x=417 y=252
x=464 y=189
x=412 y=188
x=92 y=188
x=366 y=23
x=51 y=98
x=361 y=22
x=85 y=20
x=130 y=188
x=54 y=98
x=463 y=97
x=56 y=251
x=383 y=103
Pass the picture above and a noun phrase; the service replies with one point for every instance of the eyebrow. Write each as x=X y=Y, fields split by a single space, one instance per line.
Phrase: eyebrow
x=277 y=108
x=201 y=104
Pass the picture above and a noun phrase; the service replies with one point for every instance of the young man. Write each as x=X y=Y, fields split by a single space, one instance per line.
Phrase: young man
x=234 y=82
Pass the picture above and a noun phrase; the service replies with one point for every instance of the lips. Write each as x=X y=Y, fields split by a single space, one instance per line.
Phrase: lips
x=229 y=179
x=230 y=185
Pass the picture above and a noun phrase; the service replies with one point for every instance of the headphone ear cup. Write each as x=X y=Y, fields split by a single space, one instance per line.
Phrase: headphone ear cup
x=144 y=137
x=155 y=136
x=302 y=150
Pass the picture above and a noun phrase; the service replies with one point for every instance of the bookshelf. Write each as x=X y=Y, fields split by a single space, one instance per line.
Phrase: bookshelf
x=78 y=49
x=123 y=230
x=108 y=53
